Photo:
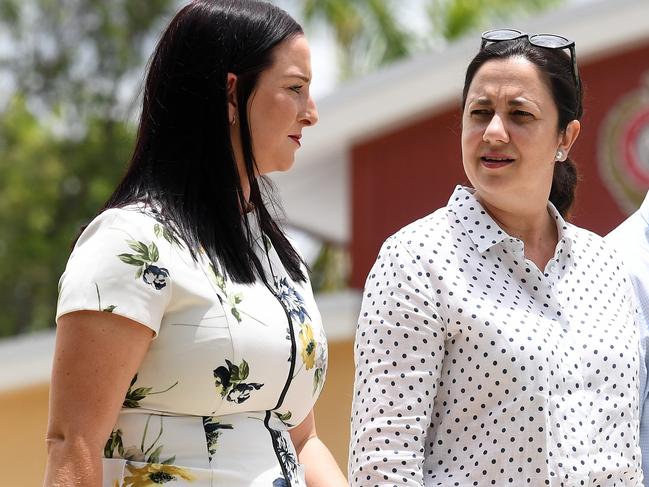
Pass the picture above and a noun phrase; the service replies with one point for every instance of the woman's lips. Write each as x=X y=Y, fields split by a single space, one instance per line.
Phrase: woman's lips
x=495 y=161
x=296 y=139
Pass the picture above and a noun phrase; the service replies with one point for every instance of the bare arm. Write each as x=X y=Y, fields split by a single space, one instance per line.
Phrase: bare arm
x=320 y=466
x=96 y=356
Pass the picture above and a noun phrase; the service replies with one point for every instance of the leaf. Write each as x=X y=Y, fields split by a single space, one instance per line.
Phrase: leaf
x=244 y=370
x=110 y=309
x=317 y=378
x=133 y=380
x=130 y=404
x=131 y=259
x=155 y=455
x=139 y=393
x=234 y=374
x=169 y=460
x=139 y=272
x=238 y=298
x=154 y=254
x=140 y=248
x=236 y=314
x=284 y=417
x=158 y=231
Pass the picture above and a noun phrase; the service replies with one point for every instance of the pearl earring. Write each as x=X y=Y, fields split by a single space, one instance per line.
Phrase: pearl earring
x=559 y=155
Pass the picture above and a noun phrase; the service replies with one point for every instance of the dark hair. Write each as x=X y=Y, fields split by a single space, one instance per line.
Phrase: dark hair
x=183 y=163
x=556 y=66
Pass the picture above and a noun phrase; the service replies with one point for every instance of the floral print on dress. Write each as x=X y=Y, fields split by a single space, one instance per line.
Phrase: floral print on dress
x=284 y=418
x=280 y=482
x=134 y=396
x=313 y=349
x=108 y=309
x=292 y=301
x=233 y=299
x=144 y=258
x=154 y=474
x=212 y=432
x=229 y=382
x=135 y=453
x=162 y=231
x=285 y=455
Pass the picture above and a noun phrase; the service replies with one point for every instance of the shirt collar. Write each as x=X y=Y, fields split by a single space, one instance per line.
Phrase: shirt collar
x=483 y=230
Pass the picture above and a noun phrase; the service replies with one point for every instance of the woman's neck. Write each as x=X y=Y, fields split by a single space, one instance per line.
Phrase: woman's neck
x=537 y=229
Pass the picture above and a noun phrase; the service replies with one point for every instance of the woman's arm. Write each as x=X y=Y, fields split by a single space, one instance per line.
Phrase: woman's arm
x=96 y=356
x=398 y=356
x=321 y=469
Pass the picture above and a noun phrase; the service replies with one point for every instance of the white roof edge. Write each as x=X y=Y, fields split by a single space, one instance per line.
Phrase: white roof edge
x=405 y=90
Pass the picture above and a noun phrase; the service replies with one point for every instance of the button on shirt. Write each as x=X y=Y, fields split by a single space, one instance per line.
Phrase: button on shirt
x=632 y=240
x=474 y=367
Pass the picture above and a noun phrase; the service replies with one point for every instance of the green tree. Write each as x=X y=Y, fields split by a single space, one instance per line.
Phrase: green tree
x=370 y=33
x=64 y=140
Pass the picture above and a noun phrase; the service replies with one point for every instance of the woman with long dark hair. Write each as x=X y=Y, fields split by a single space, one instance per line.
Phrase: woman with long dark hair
x=501 y=337
x=189 y=347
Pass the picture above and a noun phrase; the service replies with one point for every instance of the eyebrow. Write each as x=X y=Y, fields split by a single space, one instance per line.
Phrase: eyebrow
x=299 y=76
x=484 y=101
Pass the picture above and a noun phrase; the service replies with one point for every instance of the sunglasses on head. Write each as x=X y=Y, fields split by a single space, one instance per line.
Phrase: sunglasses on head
x=548 y=41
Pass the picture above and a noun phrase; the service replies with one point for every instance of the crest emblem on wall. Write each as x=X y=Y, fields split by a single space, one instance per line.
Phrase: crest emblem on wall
x=623 y=152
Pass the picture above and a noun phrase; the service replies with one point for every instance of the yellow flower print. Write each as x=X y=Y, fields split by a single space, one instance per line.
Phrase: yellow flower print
x=154 y=474
x=309 y=345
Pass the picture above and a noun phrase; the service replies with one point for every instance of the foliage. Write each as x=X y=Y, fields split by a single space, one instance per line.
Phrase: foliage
x=49 y=187
x=64 y=140
x=370 y=33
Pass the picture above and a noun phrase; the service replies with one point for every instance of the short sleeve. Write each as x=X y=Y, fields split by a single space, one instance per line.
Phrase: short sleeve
x=119 y=266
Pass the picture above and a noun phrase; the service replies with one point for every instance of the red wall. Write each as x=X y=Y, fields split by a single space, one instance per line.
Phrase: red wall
x=405 y=174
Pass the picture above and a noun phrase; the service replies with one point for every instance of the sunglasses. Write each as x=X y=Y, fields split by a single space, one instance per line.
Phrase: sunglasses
x=548 y=41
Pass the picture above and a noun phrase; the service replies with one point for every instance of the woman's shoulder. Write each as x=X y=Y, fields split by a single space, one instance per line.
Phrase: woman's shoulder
x=135 y=219
x=588 y=244
x=423 y=231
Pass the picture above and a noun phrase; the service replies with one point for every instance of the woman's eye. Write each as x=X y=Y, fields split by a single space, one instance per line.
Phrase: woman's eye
x=522 y=113
x=296 y=89
x=480 y=113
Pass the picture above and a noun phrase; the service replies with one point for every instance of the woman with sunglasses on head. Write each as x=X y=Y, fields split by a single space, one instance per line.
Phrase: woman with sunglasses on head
x=496 y=343
x=189 y=348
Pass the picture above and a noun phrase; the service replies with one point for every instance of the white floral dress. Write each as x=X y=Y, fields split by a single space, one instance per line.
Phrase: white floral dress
x=231 y=369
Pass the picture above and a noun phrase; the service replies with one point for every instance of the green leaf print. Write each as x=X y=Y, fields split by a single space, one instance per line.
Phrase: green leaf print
x=114 y=442
x=284 y=417
x=144 y=259
x=229 y=382
x=233 y=299
x=152 y=453
x=162 y=231
x=134 y=396
x=244 y=370
x=131 y=259
x=153 y=252
x=108 y=309
x=318 y=377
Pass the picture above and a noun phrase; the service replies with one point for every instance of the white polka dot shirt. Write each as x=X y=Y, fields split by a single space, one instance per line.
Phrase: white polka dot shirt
x=475 y=368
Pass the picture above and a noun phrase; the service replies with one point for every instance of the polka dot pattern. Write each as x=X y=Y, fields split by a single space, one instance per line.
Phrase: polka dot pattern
x=475 y=368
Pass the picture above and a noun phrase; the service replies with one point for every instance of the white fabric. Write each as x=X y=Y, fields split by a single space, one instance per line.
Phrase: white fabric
x=474 y=367
x=232 y=368
x=631 y=238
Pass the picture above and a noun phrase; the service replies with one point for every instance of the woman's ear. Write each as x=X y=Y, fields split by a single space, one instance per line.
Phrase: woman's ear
x=569 y=136
x=231 y=86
